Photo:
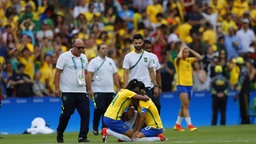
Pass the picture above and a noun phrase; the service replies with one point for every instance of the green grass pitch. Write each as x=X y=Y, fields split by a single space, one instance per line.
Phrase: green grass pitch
x=241 y=134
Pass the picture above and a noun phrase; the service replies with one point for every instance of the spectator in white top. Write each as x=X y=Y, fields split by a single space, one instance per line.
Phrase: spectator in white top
x=81 y=8
x=246 y=36
x=173 y=37
x=102 y=72
x=98 y=6
x=138 y=64
x=157 y=69
x=45 y=32
x=73 y=85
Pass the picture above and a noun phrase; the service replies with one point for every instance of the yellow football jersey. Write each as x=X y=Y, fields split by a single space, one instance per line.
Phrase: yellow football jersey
x=119 y=104
x=152 y=116
x=184 y=71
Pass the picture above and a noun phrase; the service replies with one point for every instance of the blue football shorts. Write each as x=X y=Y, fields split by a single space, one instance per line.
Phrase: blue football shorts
x=185 y=89
x=151 y=132
x=118 y=126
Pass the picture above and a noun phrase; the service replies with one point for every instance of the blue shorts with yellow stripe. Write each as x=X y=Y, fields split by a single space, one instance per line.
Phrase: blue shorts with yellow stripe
x=118 y=126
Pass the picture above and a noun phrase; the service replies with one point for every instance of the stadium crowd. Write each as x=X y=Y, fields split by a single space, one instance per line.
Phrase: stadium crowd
x=35 y=32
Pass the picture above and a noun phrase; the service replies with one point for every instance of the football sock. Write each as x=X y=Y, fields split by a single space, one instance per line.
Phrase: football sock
x=148 y=139
x=188 y=120
x=179 y=120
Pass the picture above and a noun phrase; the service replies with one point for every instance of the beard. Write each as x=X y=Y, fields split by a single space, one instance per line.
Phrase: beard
x=138 y=47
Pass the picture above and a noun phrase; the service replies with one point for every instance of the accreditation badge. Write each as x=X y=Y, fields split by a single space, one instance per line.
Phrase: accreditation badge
x=96 y=77
x=81 y=78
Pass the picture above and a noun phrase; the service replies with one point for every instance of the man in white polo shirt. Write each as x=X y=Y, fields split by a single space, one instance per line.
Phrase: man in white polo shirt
x=138 y=64
x=102 y=72
x=73 y=85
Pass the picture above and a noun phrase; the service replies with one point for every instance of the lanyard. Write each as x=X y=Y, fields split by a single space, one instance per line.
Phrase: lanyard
x=100 y=65
x=75 y=66
x=137 y=61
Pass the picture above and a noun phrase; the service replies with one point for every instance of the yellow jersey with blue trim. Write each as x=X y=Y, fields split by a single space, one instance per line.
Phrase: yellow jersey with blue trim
x=184 y=71
x=152 y=116
x=118 y=105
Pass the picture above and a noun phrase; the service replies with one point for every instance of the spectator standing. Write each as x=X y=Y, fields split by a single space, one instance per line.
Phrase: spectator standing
x=3 y=80
x=98 y=6
x=200 y=78
x=81 y=8
x=167 y=73
x=47 y=73
x=27 y=58
x=38 y=86
x=219 y=90
x=102 y=72
x=152 y=10
x=228 y=23
x=246 y=36
x=126 y=14
x=252 y=74
x=138 y=64
x=73 y=85
x=21 y=82
x=243 y=90
x=184 y=83
x=232 y=44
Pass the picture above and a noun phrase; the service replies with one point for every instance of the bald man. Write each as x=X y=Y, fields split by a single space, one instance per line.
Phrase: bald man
x=74 y=88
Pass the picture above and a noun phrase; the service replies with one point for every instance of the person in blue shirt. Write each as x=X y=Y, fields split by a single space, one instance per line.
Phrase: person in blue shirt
x=232 y=44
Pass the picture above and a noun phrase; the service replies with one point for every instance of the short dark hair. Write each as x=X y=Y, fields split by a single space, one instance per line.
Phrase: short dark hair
x=99 y=46
x=146 y=41
x=137 y=36
x=21 y=65
x=133 y=84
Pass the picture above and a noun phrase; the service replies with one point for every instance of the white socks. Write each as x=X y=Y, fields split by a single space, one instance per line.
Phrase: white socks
x=188 y=120
x=148 y=139
x=119 y=136
x=179 y=120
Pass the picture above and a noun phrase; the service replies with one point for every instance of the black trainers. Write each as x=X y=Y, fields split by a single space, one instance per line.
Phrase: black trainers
x=83 y=140
x=60 y=139
x=95 y=132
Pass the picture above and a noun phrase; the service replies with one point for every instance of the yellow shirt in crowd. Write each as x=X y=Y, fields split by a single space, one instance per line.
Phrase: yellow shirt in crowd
x=29 y=66
x=225 y=25
x=184 y=32
x=209 y=36
x=234 y=74
x=240 y=7
x=48 y=75
x=253 y=16
x=152 y=11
